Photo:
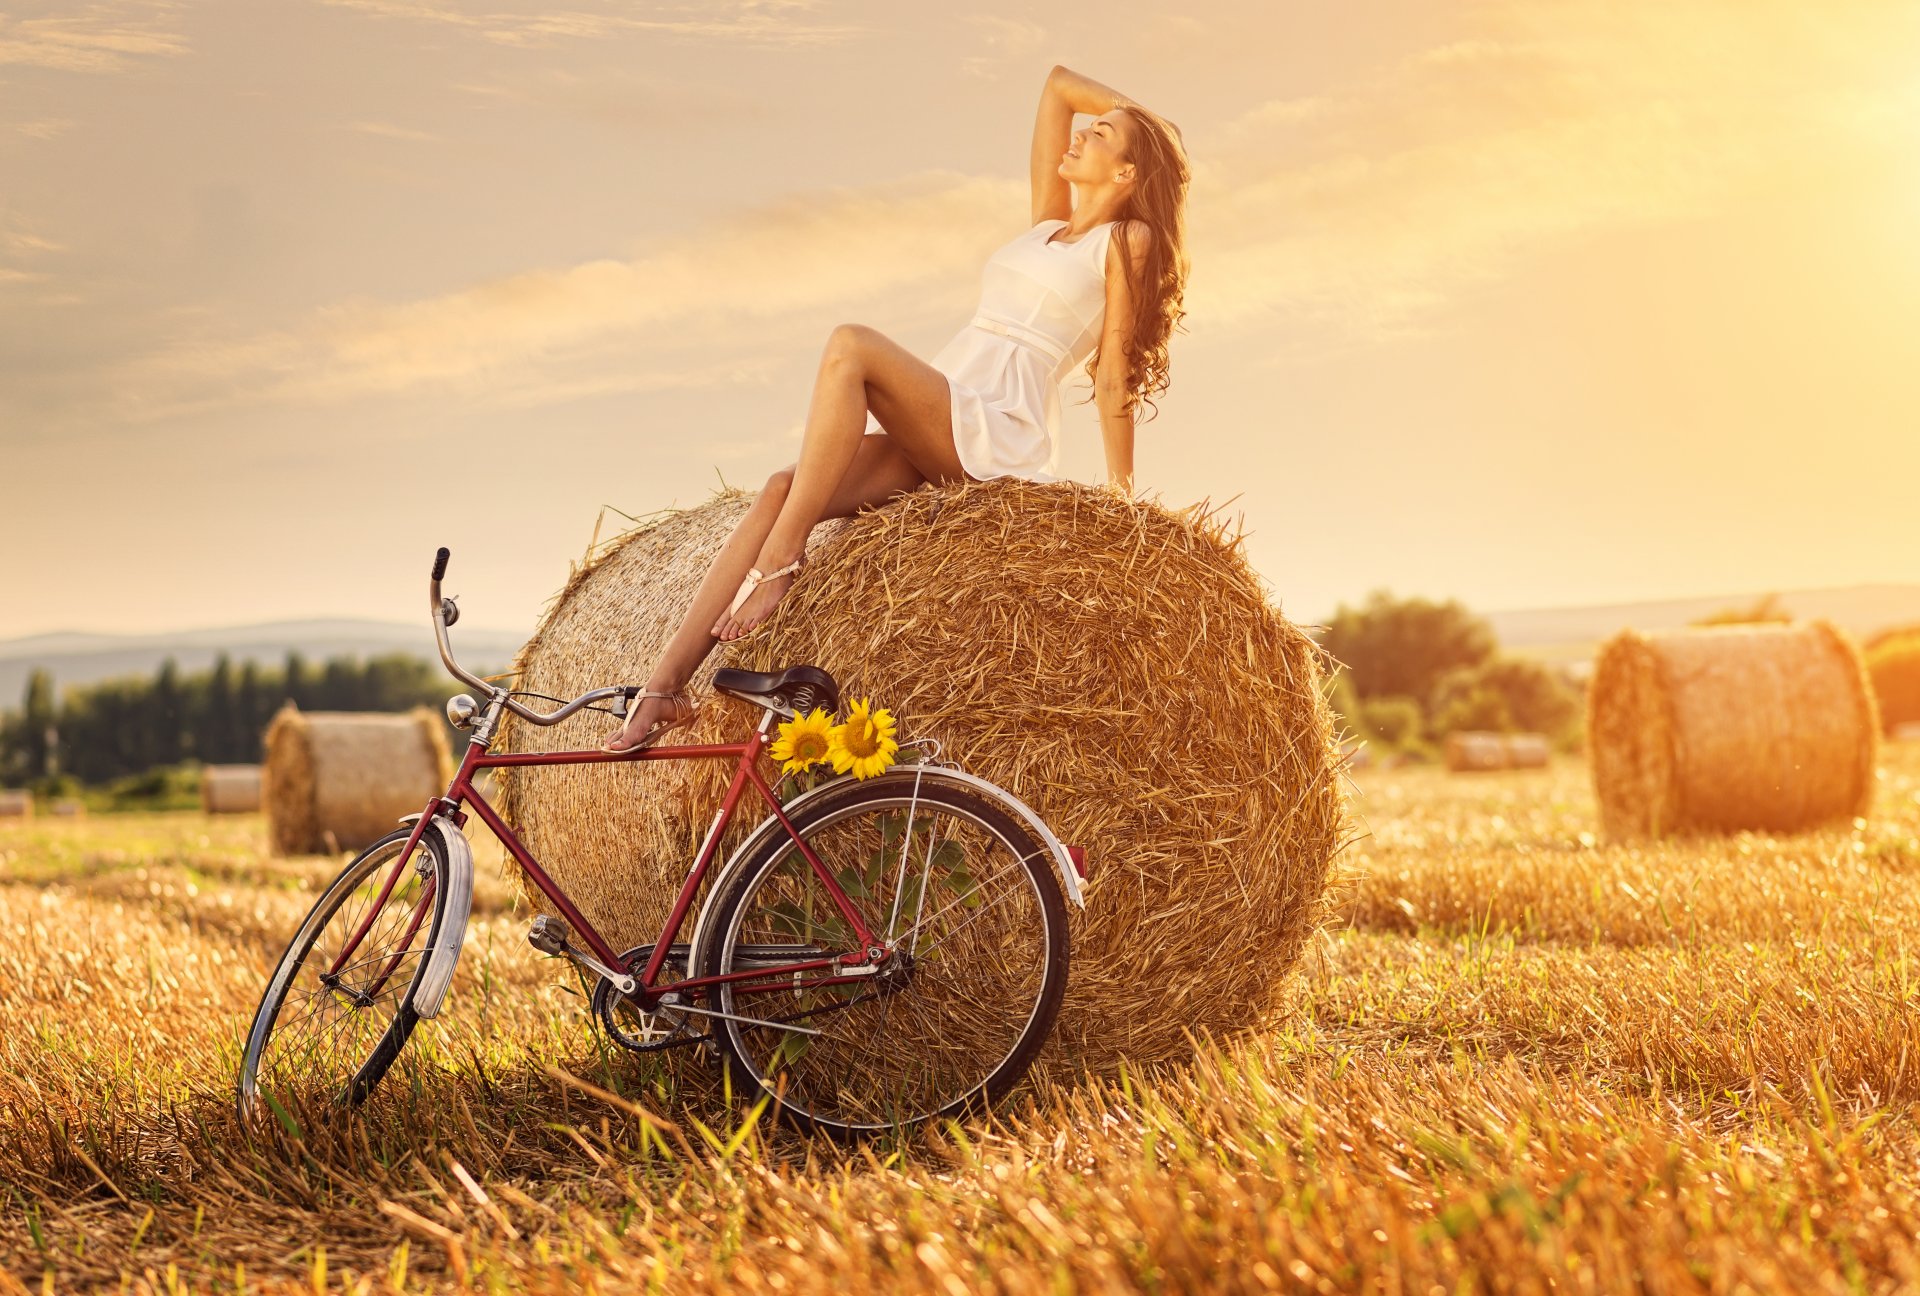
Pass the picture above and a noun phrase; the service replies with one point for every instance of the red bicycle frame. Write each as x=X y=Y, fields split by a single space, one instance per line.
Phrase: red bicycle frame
x=461 y=792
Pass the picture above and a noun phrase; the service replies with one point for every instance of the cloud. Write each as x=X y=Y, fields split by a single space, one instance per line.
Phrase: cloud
x=1010 y=43
x=44 y=128
x=387 y=130
x=99 y=38
x=559 y=333
x=745 y=20
x=1374 y=207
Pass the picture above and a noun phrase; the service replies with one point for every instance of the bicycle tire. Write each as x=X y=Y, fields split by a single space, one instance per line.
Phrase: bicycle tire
x=386 y=1048
x=745 y=1049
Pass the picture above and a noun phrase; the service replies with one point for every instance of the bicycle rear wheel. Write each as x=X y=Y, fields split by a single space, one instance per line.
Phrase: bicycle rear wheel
x=964 y=894
x=333 y=1018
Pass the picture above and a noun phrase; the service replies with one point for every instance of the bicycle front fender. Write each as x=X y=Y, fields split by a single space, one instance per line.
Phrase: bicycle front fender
x=770 y=827
x=431 y=991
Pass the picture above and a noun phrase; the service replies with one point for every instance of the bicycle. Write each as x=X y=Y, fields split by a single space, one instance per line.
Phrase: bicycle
x=874 y=954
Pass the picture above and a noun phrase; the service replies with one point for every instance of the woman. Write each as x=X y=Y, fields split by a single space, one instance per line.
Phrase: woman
x=1103 y=276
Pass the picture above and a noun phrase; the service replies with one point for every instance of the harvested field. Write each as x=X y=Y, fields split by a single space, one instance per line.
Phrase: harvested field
x=1522 y=1058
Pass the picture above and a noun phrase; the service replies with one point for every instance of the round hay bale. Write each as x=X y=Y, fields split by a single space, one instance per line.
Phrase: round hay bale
x=1769 y=727
x=70 y=808
x=1474 y=750
x=230 y=789
x=15 y=804
x=338 y=780
x=1893 y=664
x=1527 y=750
x=1114 y=664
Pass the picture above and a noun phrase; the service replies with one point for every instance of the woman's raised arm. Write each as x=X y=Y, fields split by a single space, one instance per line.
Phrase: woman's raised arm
x=1066 y=93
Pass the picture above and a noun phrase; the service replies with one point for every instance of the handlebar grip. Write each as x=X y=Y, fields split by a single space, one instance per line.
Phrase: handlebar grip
x=440 y=563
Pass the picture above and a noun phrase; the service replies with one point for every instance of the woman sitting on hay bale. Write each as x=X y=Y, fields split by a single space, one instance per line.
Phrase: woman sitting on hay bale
x=1103 y=276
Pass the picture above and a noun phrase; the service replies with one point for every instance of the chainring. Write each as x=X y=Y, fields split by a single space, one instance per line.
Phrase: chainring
x=643 y=1030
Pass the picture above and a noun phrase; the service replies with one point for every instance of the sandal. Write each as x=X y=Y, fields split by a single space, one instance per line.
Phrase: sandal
x=754 y=579
x=659 y=727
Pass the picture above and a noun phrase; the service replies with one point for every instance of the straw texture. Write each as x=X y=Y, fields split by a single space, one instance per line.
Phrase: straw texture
x=1112 y=663
x=1768 y=727
x=230 y=789
x=338 y=780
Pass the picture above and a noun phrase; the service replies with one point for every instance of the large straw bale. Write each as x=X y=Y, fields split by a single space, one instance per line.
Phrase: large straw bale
x=1768 y=727
x=1474 y=750
x=1111 y=662
x=15 y=804
x=339 y=780
x=230 y=789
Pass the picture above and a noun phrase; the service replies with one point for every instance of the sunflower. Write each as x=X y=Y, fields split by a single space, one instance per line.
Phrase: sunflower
x=803 y=741
x=865 y=743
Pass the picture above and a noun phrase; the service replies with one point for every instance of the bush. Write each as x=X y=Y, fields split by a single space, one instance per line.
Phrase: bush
x=165 y=787
x=1477 y=707
x=1505 y=694
x=1764 y=610
x=1393 y=721
x=1894 y=665
x=1401 y=647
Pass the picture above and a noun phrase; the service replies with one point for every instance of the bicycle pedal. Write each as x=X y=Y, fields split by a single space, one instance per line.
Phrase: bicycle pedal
x=548 y=935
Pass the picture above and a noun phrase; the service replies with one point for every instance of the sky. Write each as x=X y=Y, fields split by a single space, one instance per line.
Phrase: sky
x=1521 y=302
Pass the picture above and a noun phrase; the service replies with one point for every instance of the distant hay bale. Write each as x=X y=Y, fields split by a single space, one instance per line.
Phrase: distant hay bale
x=1893 y=664
x=69 y=808
x=15 y=804
x=1113 y=663
x=1356 y=754
x=1527 y=750
x=1768 y=727
x=1475 y=750
x=339 y=780
x=230 y=789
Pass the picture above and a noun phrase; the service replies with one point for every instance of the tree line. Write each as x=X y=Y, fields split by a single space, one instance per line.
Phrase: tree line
x=100 y=732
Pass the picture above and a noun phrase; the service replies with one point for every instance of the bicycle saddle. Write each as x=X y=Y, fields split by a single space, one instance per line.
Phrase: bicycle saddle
x=791 y=692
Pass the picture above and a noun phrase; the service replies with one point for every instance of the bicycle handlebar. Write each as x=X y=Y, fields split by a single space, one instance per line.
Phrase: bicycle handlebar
x=439 y=608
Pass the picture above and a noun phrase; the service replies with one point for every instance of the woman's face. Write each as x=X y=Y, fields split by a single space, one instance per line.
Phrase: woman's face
x=1098 y=150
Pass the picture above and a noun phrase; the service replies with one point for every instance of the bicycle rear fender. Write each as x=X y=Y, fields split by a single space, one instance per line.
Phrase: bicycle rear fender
x=1069 y=876
x=431 y=992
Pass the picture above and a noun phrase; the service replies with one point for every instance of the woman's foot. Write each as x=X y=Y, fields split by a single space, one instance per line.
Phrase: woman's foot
x=761 y=593
x=650 y=717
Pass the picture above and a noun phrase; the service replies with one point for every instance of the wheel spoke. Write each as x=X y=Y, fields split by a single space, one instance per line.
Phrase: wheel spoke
x=337 y=1034
x=935 y=1027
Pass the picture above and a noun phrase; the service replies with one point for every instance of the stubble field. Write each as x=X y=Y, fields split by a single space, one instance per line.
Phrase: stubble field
x=1523 y=1059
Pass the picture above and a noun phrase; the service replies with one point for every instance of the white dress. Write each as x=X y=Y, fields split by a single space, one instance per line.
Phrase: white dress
x=1041 y=307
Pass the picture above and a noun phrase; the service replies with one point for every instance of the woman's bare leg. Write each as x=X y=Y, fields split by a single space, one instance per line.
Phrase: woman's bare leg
x=879 y=471
x=862 y=368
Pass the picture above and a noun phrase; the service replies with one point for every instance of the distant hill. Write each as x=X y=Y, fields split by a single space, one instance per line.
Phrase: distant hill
x=1567 y=634
x=77 y=658
x=1572 y=634
x=1860 y=609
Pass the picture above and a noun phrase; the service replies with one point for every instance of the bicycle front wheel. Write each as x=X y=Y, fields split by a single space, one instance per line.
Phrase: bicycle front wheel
x=339 y=1005
x=960 y=890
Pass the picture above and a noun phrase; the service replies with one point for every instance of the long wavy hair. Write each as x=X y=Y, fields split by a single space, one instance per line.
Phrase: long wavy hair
x=1158 y=283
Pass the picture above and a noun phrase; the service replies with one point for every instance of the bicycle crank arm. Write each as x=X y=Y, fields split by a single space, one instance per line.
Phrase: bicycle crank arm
x=549 y=935
x=747 y=1021
x=625 y=984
